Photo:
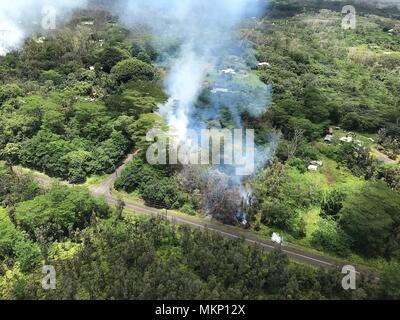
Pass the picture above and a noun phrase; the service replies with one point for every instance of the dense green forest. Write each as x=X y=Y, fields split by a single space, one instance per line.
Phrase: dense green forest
x=322 y=77
x=151 y=257
x=75 y=103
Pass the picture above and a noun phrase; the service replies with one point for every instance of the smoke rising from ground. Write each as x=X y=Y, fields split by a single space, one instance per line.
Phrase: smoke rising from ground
x=209 y=69
x=209 y=75
x=19 y=18
x=203 y=30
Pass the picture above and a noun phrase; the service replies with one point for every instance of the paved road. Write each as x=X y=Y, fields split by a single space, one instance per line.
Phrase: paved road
x=232 y=232
x=292 y=253
x=298 y=254
x=105 y=188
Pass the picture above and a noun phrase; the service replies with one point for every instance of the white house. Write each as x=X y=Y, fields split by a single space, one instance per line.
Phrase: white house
x=229 y=71
x=219 y=90
x=312 y=167
x=88 y=23
x=346 y=139
x=317 y=163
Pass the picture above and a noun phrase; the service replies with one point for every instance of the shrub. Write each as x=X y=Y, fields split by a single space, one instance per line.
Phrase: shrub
x=391 y=281
x=110 y=56
x=59 y=211
x=14 y=245
x=9 y=91
x=333 y=203
x=53 y=76
x=331 y=238
x=136 y=175
x=371 y=217
x=164 y=193
x=132 y=69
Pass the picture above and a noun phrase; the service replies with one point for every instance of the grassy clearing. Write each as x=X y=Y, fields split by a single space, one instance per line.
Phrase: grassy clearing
x=311 y=219
x=311 y=216
x=95 y=180
x=339 y=177
x=368 y=140
x=133 y=197
x=3 y=214
x=329 y=176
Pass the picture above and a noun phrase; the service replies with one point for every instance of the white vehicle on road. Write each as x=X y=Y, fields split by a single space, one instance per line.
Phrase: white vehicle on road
x=276 y=238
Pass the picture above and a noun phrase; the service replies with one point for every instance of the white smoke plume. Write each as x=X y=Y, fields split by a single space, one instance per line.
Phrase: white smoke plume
x=20 y=18
x=211 y=61
x=203 y=30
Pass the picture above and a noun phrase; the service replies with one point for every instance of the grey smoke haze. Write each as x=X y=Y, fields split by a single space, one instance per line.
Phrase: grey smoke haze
x=385 y=2
x=204 y=31
x=19 y=18
x=212 y=62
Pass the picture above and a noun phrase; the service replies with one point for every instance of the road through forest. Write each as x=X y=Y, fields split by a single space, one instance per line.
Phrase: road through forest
x=294 y=253
x=228 y=231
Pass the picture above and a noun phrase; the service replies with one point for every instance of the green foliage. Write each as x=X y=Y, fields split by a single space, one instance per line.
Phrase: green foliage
x=28 y=255
x=330 y=238
x=371 y=217
x=304 y=190
x=279 y=193
x=9 y=91
x=391 y=175
x=390 y=141
x=269 y=198
x=91 y=120
x=109 y=153
x=133 y=69
x=357 y=158
x=298 y=164
x=138 y=97
x=71 y=141
x=15 y=246
x=391 y=281
x=322 y=75
x=43 y=152
x=61 y=127
x=153 y=259
x=332 y=203
x=144 y=51
x=110 y=56
x=140 y=128
x=114 y=33
x=164 y=193
x=9 y=235
x=136 y=175
x=51 y=75
x=157 y=188
x=60 y=211
x=14 y=189
x=52 y=118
